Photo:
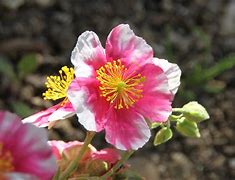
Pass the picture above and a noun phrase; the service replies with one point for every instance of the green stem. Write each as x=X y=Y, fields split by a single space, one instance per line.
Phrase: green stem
x=175 y=117
x=74 y=164
x=177 y=110
x=125 y=156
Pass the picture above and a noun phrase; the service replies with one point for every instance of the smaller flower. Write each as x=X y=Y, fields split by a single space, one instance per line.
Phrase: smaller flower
x=57 y=89
x=93 y=163
x=24 y=150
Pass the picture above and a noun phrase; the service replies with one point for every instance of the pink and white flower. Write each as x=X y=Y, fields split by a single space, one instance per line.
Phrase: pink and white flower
x=118 y=87
x=57 y=89
x=24 y=150
x=93 y=162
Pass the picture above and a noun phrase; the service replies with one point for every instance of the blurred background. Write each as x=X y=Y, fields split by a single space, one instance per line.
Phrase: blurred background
x=37 y=37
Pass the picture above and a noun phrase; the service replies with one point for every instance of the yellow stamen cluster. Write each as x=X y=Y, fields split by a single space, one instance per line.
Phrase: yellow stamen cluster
x=58 y=85
x=118 y=85
x=6 y=161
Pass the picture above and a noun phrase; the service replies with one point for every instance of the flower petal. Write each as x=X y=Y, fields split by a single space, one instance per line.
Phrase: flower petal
x=155 y=104
x=123 y=44
x=63 y=112
x=57 y=148
x=126 y=129
x=33 y=154
x=88 y=54
x=90 y=107
x=28 y=146
x=109 y=155
x=54 y=113
x=172 y=72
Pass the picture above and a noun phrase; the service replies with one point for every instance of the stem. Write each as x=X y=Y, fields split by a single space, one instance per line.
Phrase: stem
x=124 y=157
x=175 y=117
x=177 y=110
x=74 y=164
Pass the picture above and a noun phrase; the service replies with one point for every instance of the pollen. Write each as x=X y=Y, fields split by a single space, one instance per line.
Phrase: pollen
x=119 y=85
x=58 y=85
x=6 y=161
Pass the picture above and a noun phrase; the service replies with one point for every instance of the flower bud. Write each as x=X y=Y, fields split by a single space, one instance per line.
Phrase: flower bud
x=187 y=128
x=97 y=167
x=195 y=112
x=162 y=136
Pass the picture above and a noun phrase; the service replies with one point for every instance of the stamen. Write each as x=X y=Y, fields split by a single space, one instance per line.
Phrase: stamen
x=6 y=160
x=58 y=85
x=118 y=85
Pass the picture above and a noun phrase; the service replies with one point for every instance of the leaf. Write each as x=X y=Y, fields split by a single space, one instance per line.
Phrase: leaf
x=6 y=68
x=22 y=109
x=162 y=136
x=27 y=65
x=200 y=75
x=188 y=128
x=223 y=64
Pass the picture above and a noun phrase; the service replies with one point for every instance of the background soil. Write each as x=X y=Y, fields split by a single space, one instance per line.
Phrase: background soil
x=37 y=37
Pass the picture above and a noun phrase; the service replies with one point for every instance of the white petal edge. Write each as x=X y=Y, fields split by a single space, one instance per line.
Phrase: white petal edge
x=172 y=72
x=85 y=49
x=60 y=114
x=33 y=118
x=85 y=115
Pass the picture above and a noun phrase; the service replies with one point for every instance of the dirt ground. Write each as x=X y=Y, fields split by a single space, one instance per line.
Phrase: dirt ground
x=198 y=35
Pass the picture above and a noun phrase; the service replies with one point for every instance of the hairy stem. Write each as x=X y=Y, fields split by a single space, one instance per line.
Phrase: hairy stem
x=74 y=164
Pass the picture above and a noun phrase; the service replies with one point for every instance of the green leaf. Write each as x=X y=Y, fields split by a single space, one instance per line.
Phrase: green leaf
x=27 y=65
x=188 y=128
x=22 y=109
x=195 y=112
x=6 y=68
x=162 y=136
x=200 y=75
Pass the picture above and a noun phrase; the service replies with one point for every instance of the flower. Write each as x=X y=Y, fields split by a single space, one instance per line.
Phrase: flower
x=24 y=149
x=118 y=87
x=57 y=89
x=93 y=162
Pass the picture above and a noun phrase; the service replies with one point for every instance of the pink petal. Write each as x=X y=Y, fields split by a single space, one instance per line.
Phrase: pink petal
x=54 y=113
x=123 y=44
x=88 y=54
x=9 y=124
x=19 y=176
x=28 y=146
x=90 y=107
x=63 y=112
x=172 y=72
x=155 y=104
x=109 y=155
x=70 y=149
x=126 y=129
x=57 y=148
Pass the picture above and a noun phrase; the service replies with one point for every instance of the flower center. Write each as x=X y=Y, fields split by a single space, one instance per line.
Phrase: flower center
x=58 y=85
x=119 y=85
x=6 y=160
